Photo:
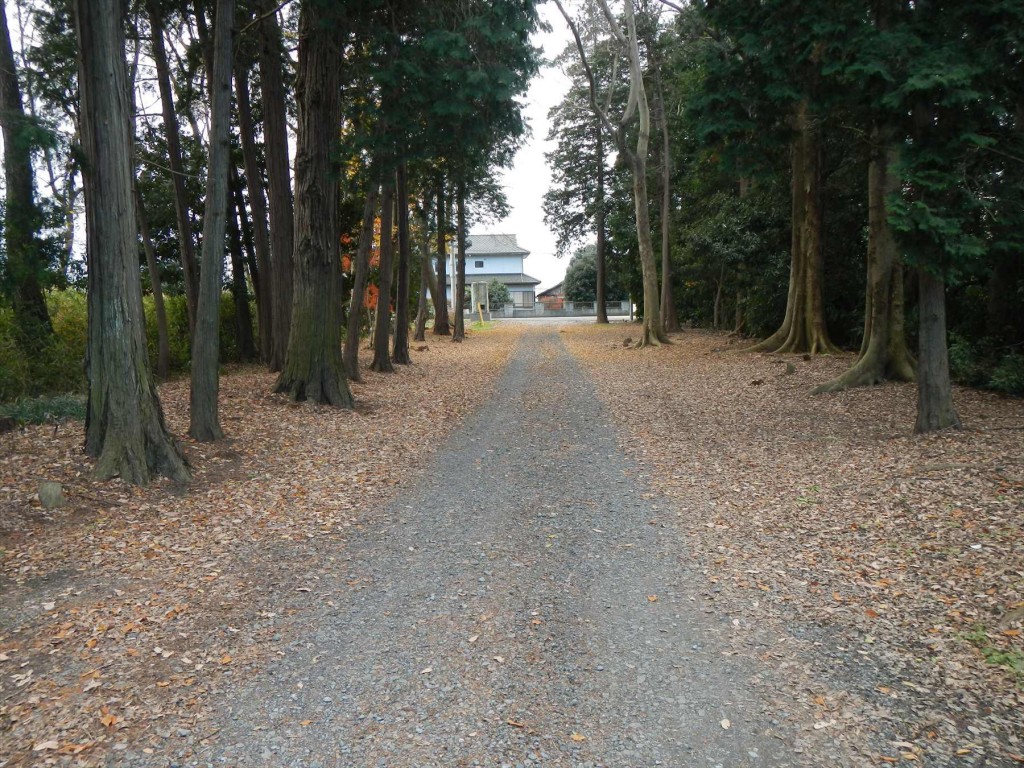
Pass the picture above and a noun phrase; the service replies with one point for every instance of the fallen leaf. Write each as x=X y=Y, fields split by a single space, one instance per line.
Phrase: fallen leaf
x=578 y=737
x=500 y=659
x=225 y=659
x=515 y=723
x=305 y=722
x=652 y=598
x=46 y=746
x=426 y=670
x=474 y=638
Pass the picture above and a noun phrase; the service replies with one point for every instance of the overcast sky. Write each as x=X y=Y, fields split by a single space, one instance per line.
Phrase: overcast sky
x=530 y=177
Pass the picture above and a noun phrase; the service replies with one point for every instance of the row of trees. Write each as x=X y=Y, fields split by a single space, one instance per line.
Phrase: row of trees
x=802 y=154
x=177 y=121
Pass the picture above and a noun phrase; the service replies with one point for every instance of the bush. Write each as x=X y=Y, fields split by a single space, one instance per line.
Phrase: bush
x=45 y=410
x=59 y=368
x=1008 y=377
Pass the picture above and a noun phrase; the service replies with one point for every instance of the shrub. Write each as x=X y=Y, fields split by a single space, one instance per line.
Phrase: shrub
x=1008 y=377
x=45 y=410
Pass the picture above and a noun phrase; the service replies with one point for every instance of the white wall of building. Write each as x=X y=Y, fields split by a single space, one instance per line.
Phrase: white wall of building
x=494 y=265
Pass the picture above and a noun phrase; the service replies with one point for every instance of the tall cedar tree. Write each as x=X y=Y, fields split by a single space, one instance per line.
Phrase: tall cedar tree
x=25 y=260
x=382 y=323
x=360 y=279
x=124 y=427
x=765 y=83
x=204 y=421
x=257 y=209
x=400 y=353
x=183 y=220
x=282 y=218
x=313 y=368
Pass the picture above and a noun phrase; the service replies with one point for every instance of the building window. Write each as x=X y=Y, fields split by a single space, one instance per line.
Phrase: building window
x=478 y=264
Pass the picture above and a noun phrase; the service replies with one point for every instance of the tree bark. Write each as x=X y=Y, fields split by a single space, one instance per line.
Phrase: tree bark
x=186 y=243
x=883 y=353
x=360 y=278
x=313 y=368
x=600 y=214
x=204 y=418
x=275 y=135
x=669 y=316
x=246 y=230
x=442 y=326
x=22 y=218
x=426 y=273
x=458 y=299
x=934 y=390
x=803 y=329
x=258 y=208
x=239 y=290
x=163 y=345
x=124 y=427
x=382 y=327
x=400 y=353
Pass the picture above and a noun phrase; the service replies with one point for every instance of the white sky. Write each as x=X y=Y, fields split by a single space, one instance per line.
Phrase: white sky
x=528 y=180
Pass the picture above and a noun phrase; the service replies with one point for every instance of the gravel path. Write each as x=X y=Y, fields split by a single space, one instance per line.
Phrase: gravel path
x=522 y=605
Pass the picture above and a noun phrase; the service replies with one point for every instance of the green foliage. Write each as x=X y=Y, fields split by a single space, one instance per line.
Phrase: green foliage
x=498 y=294
x=45 y=410
x=1009 y=659
x=1008 y=377
x=59 y=367
x=581 y=278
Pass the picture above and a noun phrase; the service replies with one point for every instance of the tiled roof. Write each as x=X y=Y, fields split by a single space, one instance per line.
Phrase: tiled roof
x=494 y=245
x=508 y=279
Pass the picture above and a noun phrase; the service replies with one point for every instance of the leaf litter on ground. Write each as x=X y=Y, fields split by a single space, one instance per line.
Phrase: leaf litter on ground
x=881 y=573
x=123 y=612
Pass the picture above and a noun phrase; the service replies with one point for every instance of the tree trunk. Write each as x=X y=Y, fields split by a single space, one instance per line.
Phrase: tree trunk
x=934 y=391
x=186 y=243
x=246 y=230
x=239 y=290
x=360 y=278
x=803 y=328
x=426 y=273
x=275 y=138
x=669 y=316
x=401 y=349
x=124 y=427
x=258 y=208
x=313 y=368
x=22 y=219
x=652 y=332
x=883 y=353
x=458 y=299
x=600 y=302
x=382 y=325
x=204 y=421
x=442 y=326
x=163 y=346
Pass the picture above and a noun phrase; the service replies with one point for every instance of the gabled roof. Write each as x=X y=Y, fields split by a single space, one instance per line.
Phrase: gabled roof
x=494 y=245
x=552 y=291
x=516 y=278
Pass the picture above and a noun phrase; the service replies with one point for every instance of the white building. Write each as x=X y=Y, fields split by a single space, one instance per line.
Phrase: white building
x=500 y=257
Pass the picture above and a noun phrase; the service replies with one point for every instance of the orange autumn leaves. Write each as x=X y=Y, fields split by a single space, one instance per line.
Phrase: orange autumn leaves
x=349 y=245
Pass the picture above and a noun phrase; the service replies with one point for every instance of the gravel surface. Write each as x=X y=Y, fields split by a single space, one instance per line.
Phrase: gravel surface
x=523 y=604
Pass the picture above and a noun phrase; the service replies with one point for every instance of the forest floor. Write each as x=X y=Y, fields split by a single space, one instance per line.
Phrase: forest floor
x=860 y=588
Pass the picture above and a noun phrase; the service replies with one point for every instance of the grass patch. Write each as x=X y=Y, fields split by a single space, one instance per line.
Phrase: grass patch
x=44 y=410
x=1007 y=658
x=487 y=325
